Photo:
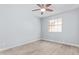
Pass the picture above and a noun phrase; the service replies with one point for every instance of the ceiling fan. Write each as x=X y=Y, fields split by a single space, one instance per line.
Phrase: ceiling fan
x=43 y=8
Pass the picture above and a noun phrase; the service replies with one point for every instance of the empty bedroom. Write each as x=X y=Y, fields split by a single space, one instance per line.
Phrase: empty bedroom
x=39 y=29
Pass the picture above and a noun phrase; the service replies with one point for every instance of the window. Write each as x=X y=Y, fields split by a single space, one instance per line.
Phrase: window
x=55 y=25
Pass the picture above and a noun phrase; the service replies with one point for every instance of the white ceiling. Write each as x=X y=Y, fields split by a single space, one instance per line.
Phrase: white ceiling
x=58 y=8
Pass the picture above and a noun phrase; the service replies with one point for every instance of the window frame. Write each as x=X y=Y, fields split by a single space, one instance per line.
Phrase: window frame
x=56 y=28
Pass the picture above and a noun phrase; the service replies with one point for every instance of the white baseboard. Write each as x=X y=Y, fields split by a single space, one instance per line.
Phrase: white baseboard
x=30 y=41
x=3 y=49
x=23 y=43
x=65 y=43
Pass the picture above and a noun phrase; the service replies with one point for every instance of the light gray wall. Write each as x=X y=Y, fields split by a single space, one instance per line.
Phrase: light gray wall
x=70 y=33
x=17 y=25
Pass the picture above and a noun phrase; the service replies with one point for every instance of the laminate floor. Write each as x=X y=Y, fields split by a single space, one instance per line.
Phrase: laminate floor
x=42 y=48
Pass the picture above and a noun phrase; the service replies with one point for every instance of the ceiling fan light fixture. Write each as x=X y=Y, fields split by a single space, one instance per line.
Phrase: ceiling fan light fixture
x=43 y=10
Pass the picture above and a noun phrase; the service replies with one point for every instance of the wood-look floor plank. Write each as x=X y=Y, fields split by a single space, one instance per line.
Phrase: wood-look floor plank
x=42 y=48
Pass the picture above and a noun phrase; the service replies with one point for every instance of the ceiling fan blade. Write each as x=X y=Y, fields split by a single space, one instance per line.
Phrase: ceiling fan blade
x=42 y=5
x=49 y=10
x=47 y=5
x=35 y=9
x=41 y=13
x=39 y=5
